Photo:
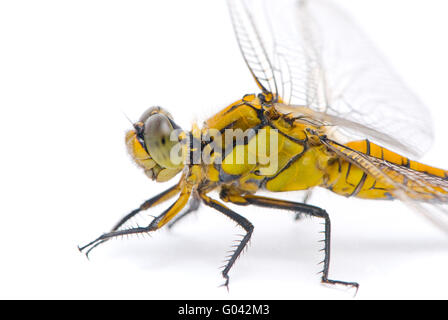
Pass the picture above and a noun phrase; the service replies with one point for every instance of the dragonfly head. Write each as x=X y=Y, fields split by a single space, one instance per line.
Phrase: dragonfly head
x=153 y=142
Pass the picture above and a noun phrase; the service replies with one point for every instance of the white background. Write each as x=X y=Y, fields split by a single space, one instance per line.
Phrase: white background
x=70 y=70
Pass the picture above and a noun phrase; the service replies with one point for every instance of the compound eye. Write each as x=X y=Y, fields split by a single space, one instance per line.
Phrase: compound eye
x=157 y=136
x=152 y=111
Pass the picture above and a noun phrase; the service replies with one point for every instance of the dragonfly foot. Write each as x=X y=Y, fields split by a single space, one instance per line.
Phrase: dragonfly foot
x=226 y=283
x=343 y=283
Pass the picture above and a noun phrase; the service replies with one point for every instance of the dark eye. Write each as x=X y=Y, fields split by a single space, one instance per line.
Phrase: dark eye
x=157 y=128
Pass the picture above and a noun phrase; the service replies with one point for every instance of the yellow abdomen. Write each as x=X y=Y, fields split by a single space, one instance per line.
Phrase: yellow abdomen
x=318 y=167
x=353 y=181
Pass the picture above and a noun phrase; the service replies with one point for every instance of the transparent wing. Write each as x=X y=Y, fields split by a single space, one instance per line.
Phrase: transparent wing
x=252 y=46
x=407 y=185
x=320 y=59
x=334 y=124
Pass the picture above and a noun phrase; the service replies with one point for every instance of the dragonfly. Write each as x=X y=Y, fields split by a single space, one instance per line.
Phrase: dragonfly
x=328 y=114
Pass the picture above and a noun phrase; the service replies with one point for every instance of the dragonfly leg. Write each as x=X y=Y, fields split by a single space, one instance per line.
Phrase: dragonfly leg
x=192 y=207
x=115 y=232
x=158 y=199
x=305 y=209
x=241 y=221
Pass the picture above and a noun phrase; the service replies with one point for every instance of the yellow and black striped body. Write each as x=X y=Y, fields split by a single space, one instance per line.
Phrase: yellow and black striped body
x=303 y=162
x=351 y=180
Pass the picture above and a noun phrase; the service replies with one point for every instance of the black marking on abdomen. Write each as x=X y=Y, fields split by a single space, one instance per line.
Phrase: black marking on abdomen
x=364 y=175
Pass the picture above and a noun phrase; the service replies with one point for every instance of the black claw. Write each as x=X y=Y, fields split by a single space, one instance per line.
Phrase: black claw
x=226 y=283
x=356 y=285
x=81 y=250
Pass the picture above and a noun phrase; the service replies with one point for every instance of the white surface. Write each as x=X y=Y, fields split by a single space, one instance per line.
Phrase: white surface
x=68 y=72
